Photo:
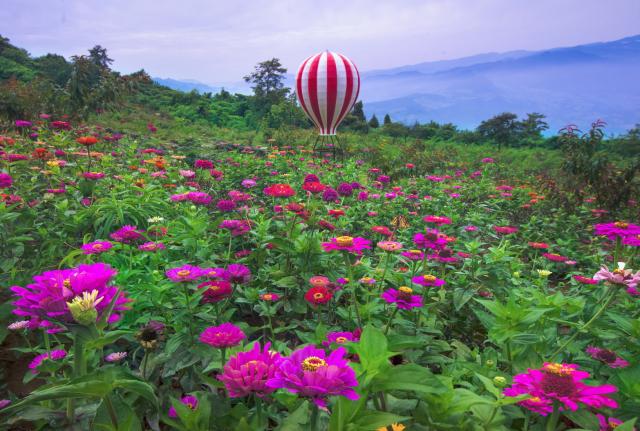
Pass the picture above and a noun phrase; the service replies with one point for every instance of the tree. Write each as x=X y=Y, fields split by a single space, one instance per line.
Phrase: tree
x=374 y=123
x=387 y=119
x=55 y=68
x=356 y=119
x=534 y=125
x=98 y=56
x=502 y=129
x=268 y=84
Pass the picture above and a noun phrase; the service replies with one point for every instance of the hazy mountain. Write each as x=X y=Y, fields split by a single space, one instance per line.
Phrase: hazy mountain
x=570 y=85
x=186 y=85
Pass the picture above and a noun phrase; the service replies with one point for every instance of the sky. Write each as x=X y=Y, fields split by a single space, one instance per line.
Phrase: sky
x=220 y=41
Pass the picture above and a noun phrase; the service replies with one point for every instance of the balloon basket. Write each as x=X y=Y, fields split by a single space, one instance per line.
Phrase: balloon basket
x=328 y=144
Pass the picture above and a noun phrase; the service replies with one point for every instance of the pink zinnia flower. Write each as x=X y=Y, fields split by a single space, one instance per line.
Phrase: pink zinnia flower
x=199 y=198
x=190 y=401
x=584 y=280
x=222 y=336
x=115 y=356
x=184 y=273
x=238 y=274
x=621 y=276
x=247 y=373
x=96 y=247
x=432 y=239
x=347 y=243
x=505 y=230
x=310 y=373
x=428 y=280
x=271 y=297
x=607 y=356
x=402 y=297
x=414 y=255
x=554 y=257
x=151 y=246
x=439 y=220
x=560 y=382
x=609 y=424
x=389 y=245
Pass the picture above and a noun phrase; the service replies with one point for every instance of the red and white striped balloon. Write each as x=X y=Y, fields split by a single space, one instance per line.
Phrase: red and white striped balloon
x=327 y=86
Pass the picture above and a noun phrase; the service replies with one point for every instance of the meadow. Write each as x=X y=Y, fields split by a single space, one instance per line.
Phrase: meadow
x=156 y=276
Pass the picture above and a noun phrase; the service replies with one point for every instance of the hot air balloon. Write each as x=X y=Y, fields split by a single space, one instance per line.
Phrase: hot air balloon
x=327 y=86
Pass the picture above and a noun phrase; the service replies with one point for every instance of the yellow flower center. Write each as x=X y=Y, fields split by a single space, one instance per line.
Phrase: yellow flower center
x=312 y=363
x=534 y=399
x=344 y=241
x=318 y=295
x=558 y=369
x=430 y=278
x=267 y=297
x=96 y=246
x=214 y=288
x=67 y=283
x=341 y=340
x=415 y=252
x=184 y=273
x=405 y=289
x=621 y=224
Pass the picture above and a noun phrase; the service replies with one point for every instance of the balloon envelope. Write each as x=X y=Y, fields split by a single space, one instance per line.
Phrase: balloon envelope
x=327 y=86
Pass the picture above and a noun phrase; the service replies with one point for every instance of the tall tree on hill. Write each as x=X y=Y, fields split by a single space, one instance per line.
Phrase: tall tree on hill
x=534 y=125
x=356 y=119
x=98 y=56
x=268 y=85
x=387 y=119
x=374 y=123
x=503 y=129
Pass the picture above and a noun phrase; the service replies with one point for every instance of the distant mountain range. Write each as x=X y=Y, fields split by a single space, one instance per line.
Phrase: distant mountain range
x=576 y=84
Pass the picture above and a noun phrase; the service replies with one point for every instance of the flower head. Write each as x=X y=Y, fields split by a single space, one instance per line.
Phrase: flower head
x=279 y=191
x=151 y=334
x=310 y=373
x=46 y=299
x=403 y=298
x=607 y=356
x=247 y=373
x=184 y=273
x=115 y=356
x=389 y=245
x=127 y=234
x=339 y=338
x=96 y=247
x=347 y=243
x=618 y=229
x=318 y=295
x=55 y=355
x=190 y=401
x=562 y=383
x=428 y=280
x=222 y=336
x=238 y=274
x=216 y=291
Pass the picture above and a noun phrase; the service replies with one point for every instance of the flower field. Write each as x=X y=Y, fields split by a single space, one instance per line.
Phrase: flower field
x=230 y=287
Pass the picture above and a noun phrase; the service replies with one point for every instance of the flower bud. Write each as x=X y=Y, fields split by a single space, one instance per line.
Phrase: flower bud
x=500 y=381
x=83 y=308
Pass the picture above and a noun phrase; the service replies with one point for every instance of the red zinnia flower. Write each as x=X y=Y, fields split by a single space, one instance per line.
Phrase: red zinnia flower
x=279 y=191
x=87 y=141
x=318 y=295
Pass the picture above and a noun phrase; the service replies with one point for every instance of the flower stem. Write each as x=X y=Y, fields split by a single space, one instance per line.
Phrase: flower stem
x=313 y=423
x=589 y=323
x=552 y=422
x=112 y=412
x=386 y=330
x=185 y=289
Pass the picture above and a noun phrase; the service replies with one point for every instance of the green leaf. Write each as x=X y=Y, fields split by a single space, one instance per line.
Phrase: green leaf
x=371 y=420
x=295 y=419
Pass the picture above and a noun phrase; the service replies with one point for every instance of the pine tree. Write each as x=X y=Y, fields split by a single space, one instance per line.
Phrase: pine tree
x=374 y=123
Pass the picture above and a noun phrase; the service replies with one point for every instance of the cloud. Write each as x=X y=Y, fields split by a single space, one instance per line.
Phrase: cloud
x=213 y=40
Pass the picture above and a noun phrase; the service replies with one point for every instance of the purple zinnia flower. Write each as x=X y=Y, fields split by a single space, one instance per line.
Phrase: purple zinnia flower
x=226 y=205
x=309 y=373
x=115 y=356
x=428 y=280
x=199 y=198
x=46 y=299
x=222 y=336
x=339 y=338
x=329 y=195
x=247 y=373
x=5 y=180
x=345 y=189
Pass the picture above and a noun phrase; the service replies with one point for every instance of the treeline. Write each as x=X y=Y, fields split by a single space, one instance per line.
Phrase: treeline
x=86 y=85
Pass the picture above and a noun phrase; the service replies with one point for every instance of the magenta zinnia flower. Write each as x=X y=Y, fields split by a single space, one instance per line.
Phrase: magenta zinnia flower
x=439 y=220
x=190 y=401
x=225 y=335
x=184 y=273
x=216 y=291
x=608 y=424
x=309 y=373
x=247 y=373
x=402 y=297
x=96 y=247
x=347 y=243
x=238 y=274
x=339 y=338
x=607 y=356
x=126 y=234
x=428 y=280
x=560 y=382
x=5 y=180
x=55 y=355
x=46 y=299
x=617 y=229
